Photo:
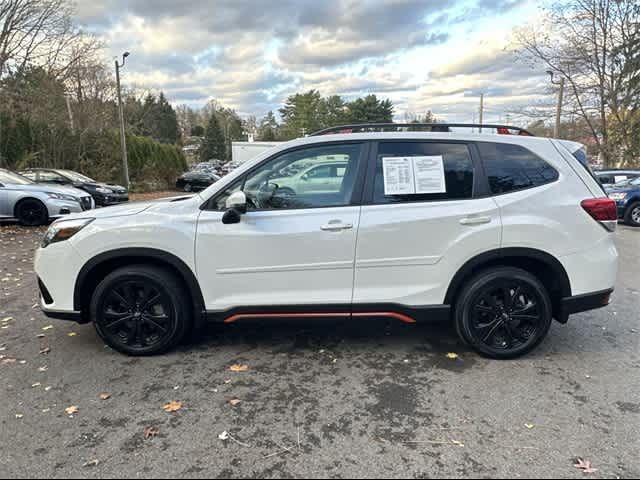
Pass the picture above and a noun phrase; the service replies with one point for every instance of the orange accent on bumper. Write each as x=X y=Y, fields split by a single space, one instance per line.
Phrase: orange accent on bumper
x=240 y=316
x=398 y=316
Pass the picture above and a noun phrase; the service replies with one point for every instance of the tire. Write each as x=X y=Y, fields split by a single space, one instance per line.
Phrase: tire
x=141 y=310
x=188 y=188
x=503 y=313
x=632 y=215
x=31 y=212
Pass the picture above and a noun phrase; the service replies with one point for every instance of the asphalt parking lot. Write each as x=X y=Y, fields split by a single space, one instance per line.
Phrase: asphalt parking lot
x=360 y=399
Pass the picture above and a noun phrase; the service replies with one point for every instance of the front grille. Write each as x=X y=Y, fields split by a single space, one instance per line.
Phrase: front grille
x=85 y=203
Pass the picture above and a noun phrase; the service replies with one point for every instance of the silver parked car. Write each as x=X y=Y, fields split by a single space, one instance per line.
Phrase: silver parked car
x=35 y=204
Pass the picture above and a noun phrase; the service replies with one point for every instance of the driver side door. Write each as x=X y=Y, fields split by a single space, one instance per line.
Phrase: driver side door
x=287 y=250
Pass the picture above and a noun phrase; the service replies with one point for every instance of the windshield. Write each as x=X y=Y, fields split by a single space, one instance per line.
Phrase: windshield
x=13 y=178
x=76 y=177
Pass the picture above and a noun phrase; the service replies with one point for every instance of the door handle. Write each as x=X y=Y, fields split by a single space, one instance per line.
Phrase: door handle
x=336 y=226
x=471 y=221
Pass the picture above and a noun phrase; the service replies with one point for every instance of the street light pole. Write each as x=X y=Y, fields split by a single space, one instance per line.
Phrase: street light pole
x=123 y=139
x=556 y=128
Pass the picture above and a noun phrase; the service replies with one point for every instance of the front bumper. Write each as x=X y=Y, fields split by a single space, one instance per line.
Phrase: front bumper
x=111 y=199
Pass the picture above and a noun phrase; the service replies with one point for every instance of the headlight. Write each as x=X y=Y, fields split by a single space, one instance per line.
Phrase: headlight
x=63 y=230
x=618 y=196
x=103 y=190
x=62 y=196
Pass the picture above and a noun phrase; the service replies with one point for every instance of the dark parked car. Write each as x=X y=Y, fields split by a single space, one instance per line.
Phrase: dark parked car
x=627 y=197
x=104 y=194
x=195 y=180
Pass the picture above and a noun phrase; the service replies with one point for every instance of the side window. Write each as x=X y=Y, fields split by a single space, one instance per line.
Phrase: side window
x=511 y=167
x=304 y=178
x=458 y=170
x=29 y=175
x=50 y=177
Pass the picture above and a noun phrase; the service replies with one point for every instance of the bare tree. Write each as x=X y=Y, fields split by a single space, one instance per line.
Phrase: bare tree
x=41 y=33
x=594 y=45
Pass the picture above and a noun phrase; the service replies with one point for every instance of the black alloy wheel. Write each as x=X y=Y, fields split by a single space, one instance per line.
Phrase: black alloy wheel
x=504 y=313
x=141 y=310
x=32 y=213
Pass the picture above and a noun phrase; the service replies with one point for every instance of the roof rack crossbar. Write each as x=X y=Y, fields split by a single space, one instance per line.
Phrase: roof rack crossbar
x=433 y=127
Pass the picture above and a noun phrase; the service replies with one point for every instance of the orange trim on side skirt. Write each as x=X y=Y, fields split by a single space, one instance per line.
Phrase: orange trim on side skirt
x=240 y=316
x=398 y=316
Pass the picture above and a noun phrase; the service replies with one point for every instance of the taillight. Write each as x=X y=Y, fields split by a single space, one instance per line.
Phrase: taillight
x=603 y=210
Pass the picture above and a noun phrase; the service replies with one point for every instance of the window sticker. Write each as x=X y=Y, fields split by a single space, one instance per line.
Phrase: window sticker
x=398 y=176
x=429 y=174
x=413 y=175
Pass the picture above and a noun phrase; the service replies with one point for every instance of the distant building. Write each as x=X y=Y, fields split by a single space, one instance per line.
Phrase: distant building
x=243 y=151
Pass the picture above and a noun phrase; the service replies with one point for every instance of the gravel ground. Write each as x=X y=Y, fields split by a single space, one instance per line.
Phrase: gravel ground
x=324 y=399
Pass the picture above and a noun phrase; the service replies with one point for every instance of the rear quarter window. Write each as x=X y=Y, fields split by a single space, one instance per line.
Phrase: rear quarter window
x=510 y=168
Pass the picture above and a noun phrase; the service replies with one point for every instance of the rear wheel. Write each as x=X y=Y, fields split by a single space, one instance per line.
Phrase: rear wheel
x=632 y=216
x=32 y=212
x=141 y=310
x=503 y=313
x=188 y=187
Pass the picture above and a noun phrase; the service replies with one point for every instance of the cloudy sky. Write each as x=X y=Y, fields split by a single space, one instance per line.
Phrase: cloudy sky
x=251 y=54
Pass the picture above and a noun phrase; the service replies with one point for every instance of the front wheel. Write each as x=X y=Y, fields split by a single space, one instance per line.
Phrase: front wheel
x=32 y=213
x=503 y=313
x=141 y=310
x=632 y=216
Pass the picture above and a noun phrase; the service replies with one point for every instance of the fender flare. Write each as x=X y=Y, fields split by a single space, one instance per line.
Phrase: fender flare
x=493 y=256
x=140 y=254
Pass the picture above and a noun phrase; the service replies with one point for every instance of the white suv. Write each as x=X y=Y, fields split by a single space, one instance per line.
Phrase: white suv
x=496 y=233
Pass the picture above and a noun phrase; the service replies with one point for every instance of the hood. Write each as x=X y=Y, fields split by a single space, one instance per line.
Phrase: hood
x=110 y=186
x=39 y=187
x=133 y=208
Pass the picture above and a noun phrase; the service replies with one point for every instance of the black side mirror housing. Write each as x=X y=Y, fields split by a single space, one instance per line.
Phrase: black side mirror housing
x=231 y=215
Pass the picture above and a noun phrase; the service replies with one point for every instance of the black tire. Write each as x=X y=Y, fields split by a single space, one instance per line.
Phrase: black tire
x=188 y=188
x=503 y=313
x=32 y=212
x=141 y=310
x=632 y=215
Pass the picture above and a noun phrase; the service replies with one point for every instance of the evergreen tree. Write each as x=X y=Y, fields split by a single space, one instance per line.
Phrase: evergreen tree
x=268 y=129
x=213 y=144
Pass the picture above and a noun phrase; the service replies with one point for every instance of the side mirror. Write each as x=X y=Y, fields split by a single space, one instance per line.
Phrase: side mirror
x=304 y=177
x=237 y=201
x=236 y=205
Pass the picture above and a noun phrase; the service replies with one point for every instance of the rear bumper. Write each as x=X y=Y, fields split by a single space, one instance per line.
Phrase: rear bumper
x=586 y=302
x=60 y=315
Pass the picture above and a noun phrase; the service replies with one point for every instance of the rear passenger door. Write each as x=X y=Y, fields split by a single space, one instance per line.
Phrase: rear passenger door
x=410 y=246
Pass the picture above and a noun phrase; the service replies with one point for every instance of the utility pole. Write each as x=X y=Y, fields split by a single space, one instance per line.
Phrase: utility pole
x=481 y=110
x=556 y=128
x=123 y=138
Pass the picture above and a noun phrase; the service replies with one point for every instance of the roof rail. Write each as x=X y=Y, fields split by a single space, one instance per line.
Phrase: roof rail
x=433 y=127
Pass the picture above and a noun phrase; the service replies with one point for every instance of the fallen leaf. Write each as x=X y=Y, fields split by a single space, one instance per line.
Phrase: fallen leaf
x=227 y=382
x=585 y=466
x=71 y=410
x=529 y=425
x=151 y=432
x=239 y=368
x=46 y=389
x=234 y=401
x=48 y=327
x=71 y=334
x=456 y=442
x=172 y=407
x=452 y=356
x=35 y=385
x=43 y=369
x=19 y=416
x=45 y=350
x=7 y=319
x=224 y=436
x=8 y=361
x=92 y=463
x=105 y=396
